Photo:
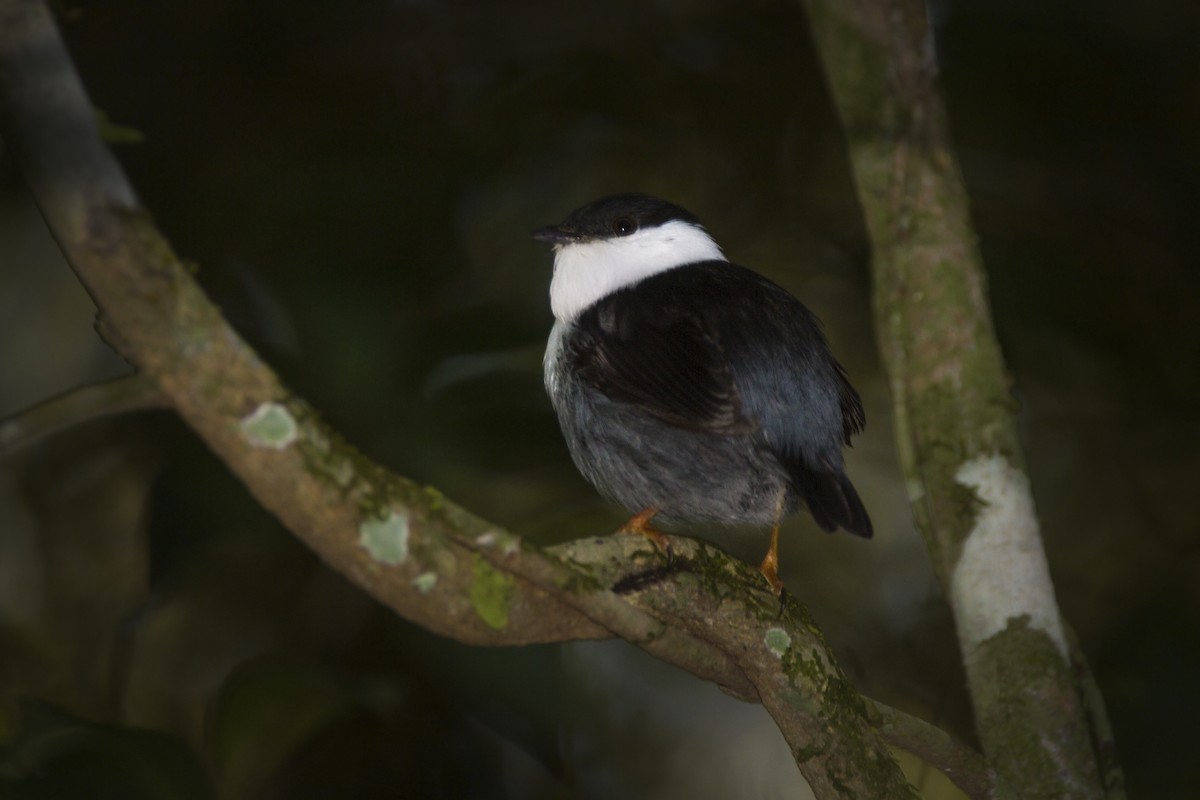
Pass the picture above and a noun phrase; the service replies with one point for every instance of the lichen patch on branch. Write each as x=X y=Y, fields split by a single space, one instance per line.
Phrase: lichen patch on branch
x=386 y=539
x=1001 y=574
x=777 y=641
x=270 y=425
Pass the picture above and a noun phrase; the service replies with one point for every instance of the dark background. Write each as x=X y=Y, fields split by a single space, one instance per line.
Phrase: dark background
x=357 y=183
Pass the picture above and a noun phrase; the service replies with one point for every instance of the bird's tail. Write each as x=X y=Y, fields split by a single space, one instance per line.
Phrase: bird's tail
x=833 y=502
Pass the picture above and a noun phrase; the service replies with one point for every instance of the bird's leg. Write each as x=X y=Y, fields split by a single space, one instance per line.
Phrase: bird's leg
x=770 y=563
x=640 y=524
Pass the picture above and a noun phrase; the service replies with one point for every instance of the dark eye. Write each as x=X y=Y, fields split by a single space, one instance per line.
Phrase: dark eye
x=623 y=226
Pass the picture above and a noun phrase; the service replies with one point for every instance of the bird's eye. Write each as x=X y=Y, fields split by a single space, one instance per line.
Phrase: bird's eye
x=623 y=226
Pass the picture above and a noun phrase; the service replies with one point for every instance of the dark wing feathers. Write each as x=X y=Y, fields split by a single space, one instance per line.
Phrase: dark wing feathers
x=655 y=352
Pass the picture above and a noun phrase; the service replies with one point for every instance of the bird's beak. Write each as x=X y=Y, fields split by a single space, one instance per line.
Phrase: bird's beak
x=555 y=235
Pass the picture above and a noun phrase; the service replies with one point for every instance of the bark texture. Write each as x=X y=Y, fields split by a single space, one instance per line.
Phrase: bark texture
x=954 y=411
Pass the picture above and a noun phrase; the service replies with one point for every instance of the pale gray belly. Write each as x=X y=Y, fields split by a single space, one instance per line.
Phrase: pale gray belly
x=639 y=461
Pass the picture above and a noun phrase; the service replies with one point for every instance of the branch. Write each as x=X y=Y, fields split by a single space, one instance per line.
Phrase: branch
x=953 y=407
x=74 y=407
x=431 y=561
x=962 y=765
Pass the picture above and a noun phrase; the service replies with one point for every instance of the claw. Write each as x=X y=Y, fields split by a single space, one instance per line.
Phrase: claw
x=639 y=524
x=783 y=601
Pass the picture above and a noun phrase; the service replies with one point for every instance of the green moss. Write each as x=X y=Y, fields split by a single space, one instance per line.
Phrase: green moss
x=802 y=671
x=710 y=568
x=435 y=498
x=1056 y=765
x=491 y=592
x=821 y=690
x=330 y=459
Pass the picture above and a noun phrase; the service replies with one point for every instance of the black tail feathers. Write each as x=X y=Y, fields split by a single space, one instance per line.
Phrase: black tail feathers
x=833 y=502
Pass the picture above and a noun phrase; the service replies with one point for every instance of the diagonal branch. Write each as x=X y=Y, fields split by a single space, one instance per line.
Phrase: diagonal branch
x=432 y=562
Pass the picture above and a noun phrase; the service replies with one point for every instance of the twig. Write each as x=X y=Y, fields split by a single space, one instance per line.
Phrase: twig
x=963 y=765
x=76 y=406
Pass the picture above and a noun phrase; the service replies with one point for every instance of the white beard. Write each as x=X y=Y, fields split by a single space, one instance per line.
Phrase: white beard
x=585 y=272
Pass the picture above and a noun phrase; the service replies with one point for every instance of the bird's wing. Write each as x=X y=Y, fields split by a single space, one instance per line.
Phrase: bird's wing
x=802 y=399
x=653 y=347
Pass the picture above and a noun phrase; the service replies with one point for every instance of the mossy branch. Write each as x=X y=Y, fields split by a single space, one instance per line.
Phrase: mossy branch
x=953 y=406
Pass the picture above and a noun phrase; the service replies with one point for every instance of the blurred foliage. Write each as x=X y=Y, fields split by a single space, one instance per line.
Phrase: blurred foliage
x=59 y=756
x=357 y=183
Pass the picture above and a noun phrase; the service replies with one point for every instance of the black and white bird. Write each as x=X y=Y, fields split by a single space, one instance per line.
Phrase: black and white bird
x=688 y=387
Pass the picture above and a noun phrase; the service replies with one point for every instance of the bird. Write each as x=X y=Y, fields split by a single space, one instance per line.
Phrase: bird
x=690 y=389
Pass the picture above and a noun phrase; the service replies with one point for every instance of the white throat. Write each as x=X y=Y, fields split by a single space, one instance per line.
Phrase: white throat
x=585 y=272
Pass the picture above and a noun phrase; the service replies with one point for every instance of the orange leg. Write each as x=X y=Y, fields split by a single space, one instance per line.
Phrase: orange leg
x=770 y=563
x=640 y=524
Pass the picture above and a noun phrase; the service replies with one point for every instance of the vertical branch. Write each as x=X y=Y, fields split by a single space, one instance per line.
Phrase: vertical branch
x=954 y=411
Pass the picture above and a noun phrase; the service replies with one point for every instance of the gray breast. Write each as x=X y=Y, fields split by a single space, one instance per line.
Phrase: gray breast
x=639 y=461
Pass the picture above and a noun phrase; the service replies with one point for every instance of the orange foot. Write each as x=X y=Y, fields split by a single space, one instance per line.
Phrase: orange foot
x=640 y=524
